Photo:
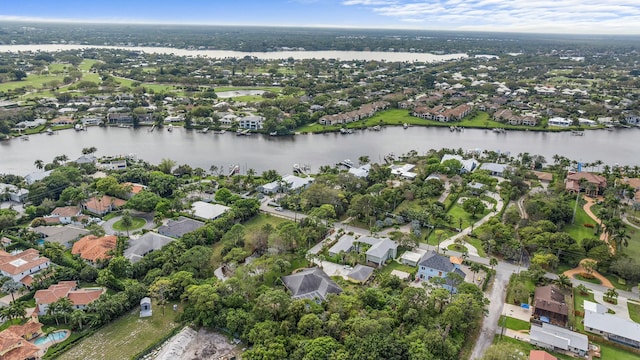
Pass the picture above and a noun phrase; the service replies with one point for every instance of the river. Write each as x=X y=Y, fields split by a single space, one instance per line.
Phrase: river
x=275 y=55
x=261 y=152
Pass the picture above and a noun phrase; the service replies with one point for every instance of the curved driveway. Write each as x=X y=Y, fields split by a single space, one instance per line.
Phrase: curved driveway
x=108 y=225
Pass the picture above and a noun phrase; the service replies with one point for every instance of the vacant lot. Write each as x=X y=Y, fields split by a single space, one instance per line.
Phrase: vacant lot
x=125 y=337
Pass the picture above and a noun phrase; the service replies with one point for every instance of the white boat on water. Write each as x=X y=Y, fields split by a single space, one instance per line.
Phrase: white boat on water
x=24 y=137
x=79 y=127
x=170 y=128
x=405 y=125
x=50 y=132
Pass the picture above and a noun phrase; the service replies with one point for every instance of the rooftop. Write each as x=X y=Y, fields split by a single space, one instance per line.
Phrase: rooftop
x=144 y=245
x=208 y=211
x=93 y=248
x=310 y=284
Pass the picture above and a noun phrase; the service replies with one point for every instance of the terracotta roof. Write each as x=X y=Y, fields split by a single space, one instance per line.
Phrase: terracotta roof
x=135 y=188
x=103 y=204
x=27 y=329
x=456 y=260
x=84 y=296
x=27 y=280
x=14 y=347
x=543 y=176
x=633 y=182
x=25 y=260
x=66 y=211
x=590 y=177
x=541 y=355
x=93 y=248
x=51 y=220
x=54 y=292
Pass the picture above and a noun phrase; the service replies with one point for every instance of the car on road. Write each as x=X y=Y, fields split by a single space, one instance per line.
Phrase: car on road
x=279 y=208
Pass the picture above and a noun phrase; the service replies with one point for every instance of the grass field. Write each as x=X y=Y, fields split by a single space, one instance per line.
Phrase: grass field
x=260 y=220
x=33 y=81
x=457 y=212
x=477 y=243
x=633 y=250
x=394 y=265
x=136 y=223
x=525 y=347
x=577 y=230
x=86 y=64
x=610 y=352
x=634 y=311
x=125 y=337
x=513 y=323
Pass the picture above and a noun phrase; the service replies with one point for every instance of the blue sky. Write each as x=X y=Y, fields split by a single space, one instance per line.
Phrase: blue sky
x=551 y=16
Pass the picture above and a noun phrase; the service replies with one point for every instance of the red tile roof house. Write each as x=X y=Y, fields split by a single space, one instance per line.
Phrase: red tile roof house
x=104 y=205
x=92 y=248
x=593 y=184
x=133 y=189
x=80 y=298
x=14 y=344
x=22 y=265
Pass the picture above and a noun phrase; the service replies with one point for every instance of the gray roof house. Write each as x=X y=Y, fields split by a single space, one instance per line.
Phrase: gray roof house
x=13 y=193
x=360 y=273
x=612 y=327
x=380 y=251
x=433 y=265
x=555 y=338
x=37 y=176
x=288 y=182
x=62 y=235
x=208 y=211
x=177 y=228
x=145 y=244
x=310 y=283
x=468 y=165
x=494 y=169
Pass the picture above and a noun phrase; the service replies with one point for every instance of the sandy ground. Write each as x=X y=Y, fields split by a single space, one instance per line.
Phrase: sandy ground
x=197 y=345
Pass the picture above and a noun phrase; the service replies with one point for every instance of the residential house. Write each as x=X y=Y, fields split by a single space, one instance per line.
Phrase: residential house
x=544 y=177
x=66 y=214
x=549 y=306
x=37 y=176
x=79 y=298
x=13 y=193
x=28 y=331
x=288 y=183
x=404 y=171
x=433 y=265
x=554 y=338
x=92 y=248
x=177 y=228
x=208 y=211
x=31 y=124
x=360 y=274
x=112 y=164
x=86 y=159
x=251 y=122
x=91 y=121
x=133 y=189
x=634 y=183
x=559 y=121
x=228 y=119
x=468 y=165
x=380 y=250
x=20 y=266
x=610 y=326
x=494 y=169
x=173 y=119
x=145 y=244
x=365 y=111
x=541 y=355
x=360 y=172
x=591 y=184
x=310 y=283
x=103 y=205
x=14 y=346
x=62 y=235
x=632 y=119
x=443 y=114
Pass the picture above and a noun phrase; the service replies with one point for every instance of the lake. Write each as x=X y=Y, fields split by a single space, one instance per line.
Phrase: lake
x=262 y=152
x=276 y=55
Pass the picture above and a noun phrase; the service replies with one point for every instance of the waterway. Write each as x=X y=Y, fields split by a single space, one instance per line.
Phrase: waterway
x=275 y=55
x=262 y=152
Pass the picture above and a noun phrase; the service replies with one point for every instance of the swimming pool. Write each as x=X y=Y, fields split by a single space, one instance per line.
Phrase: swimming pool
x=53 y=337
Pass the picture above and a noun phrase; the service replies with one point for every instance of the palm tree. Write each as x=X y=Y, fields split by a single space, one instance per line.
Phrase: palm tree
x=493 y=262
x=39 y=164
x=563 y=281
x=89 y=150
x=475 y=268
x=79 y=317
x=583 y=290
x=126 y=221
x=11 y=287
x=620 y=238
x=64 y=306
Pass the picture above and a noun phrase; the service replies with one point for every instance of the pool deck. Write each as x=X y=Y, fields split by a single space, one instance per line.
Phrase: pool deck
x=43 y=347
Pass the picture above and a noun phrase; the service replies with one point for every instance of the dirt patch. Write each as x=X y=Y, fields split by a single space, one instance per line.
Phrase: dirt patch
x=200 y=345
x=579 y=270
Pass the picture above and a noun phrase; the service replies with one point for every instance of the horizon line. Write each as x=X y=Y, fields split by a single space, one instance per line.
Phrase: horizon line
x=10 y=19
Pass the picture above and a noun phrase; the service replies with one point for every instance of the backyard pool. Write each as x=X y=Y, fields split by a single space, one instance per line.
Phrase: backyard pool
x=52 y=338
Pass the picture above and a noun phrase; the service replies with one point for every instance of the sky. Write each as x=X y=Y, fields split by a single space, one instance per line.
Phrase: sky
x=538 y=16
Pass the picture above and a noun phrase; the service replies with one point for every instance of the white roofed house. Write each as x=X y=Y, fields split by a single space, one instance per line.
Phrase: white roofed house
x=468 y=165
x=13 y=193
x=494 y=169
x=556 y=338
x=611 y=327
x=208 y=211
x=251 y=122
x=286 y=184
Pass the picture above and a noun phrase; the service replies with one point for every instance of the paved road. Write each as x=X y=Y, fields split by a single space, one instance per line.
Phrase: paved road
x=496 y=296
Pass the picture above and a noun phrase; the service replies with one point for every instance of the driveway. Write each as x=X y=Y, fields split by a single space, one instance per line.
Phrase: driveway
x=621 y=308
x=148 y=217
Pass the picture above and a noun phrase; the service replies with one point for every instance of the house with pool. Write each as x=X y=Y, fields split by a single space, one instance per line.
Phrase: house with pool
x=79 y=297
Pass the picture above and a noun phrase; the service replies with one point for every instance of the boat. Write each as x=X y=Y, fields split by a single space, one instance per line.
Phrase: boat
x=50 y=132
x=220 y=131
x=78 y=127
x=345 y=131
x=577 y=133
x=499 y=130
x=170 y=128
x=346 y=162
x=273 y=133
x=204 y=131
x=405 y=125
x=24 y=137
x=124 y=126
x=376 y=128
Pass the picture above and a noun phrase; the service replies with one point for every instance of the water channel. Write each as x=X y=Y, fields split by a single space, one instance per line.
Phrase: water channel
x=262 y=152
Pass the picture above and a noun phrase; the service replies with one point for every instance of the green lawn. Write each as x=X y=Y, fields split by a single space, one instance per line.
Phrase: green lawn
x=126 y=336
x=513 y=323
x=578 y=305
x=394 y=265
x=593 y=280
x=260 y=220
x=577 y=230
x=477 y=243
x=525 y=347
x=86 y=64
x=633 y=250
x=32 y=80
x=519 y=278
x=136 y=223
x=610 y=352
x=433 y=240
x=457 y=212
x=634 y=311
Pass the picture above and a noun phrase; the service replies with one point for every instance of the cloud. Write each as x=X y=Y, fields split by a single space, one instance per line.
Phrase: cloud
x=569 y=16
